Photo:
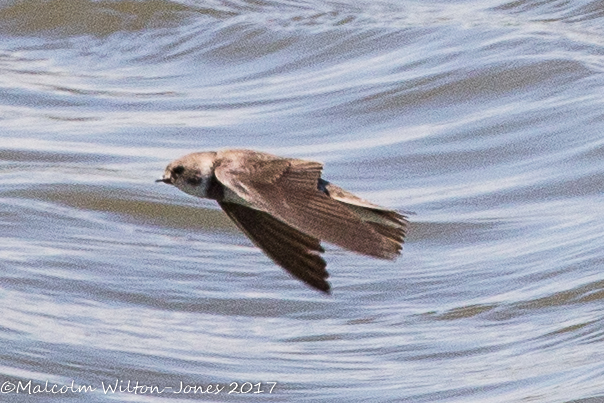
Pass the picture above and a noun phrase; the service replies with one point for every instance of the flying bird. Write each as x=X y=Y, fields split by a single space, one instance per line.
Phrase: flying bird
x=286 y=208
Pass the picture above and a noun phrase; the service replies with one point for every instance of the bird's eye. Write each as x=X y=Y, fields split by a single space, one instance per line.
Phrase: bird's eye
x=178 y=170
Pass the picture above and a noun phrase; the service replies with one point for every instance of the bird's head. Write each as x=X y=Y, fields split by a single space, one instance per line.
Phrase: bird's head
x=191 y=173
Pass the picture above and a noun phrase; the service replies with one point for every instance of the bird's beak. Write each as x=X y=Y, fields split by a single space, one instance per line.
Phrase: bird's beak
x=164 y=180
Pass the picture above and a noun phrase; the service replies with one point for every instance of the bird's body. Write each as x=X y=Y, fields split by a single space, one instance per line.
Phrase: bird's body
x=286 y=208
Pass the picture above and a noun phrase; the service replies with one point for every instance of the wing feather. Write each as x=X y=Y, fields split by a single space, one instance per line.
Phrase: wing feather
x=296 y=252
x=288 y=190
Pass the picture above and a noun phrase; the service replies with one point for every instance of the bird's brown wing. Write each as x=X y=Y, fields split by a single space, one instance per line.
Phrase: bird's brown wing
x=388 y=223
x=287 y=189
x=296 y=252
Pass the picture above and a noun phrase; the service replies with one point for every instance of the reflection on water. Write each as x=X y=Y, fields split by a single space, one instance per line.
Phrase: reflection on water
x=484 y=119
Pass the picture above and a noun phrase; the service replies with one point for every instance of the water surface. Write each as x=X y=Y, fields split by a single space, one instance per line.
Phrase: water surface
x=484 y=118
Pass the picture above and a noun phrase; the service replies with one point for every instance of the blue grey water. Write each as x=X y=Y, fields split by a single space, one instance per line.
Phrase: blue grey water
x=483 y=118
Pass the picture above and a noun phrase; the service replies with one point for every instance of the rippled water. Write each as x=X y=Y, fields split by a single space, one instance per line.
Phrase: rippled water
x=484 y=118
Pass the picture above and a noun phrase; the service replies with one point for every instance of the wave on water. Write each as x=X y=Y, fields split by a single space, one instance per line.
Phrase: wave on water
x=484 y=117
x=105 y=17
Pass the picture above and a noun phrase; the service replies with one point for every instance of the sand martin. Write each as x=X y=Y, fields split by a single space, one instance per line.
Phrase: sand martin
x=286 y=208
